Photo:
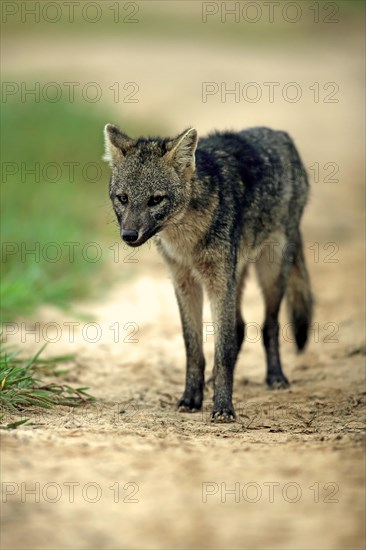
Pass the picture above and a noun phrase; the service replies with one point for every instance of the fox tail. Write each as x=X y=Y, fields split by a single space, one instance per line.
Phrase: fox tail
x=299 y=298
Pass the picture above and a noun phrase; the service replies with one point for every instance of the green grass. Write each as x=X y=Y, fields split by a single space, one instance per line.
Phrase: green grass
x=45 y=216
x=25 y=385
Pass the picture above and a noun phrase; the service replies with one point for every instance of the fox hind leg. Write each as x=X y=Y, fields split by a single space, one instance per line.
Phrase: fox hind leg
x=272 y=269
x=240 y=323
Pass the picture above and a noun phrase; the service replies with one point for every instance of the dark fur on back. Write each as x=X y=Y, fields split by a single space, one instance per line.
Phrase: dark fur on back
x=254 y=174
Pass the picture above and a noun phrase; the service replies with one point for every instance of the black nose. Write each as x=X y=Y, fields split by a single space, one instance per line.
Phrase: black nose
x=129 y=236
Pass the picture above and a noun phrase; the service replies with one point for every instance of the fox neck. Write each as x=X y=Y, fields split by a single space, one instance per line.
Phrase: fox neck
x=180 y=237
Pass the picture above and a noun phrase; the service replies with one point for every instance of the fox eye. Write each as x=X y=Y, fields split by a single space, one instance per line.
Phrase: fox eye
x=153 y=201
x=123 y=199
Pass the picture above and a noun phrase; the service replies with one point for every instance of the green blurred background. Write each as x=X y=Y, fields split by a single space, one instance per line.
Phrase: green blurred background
x=147 y=61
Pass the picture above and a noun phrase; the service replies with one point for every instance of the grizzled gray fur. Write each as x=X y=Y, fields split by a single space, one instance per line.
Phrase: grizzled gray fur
x=216 y=206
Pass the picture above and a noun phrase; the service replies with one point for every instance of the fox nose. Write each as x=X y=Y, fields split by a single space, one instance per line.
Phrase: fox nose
x=129 y=235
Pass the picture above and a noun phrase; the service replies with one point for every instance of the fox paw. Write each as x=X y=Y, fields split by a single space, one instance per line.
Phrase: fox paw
x=277 y=382
x=190 y=403
x=223 y=415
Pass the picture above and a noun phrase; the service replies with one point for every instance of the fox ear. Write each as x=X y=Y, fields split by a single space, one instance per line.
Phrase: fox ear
x=116 y=144
x=182 y=149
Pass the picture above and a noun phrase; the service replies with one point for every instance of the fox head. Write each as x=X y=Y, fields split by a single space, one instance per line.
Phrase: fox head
x=150 y=184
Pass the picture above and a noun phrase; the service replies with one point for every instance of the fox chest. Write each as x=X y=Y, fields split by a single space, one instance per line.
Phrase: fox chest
x=177 y=248
x=204 y=264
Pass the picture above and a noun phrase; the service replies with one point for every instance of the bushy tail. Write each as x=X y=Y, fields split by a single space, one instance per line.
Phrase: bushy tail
x=299 y=298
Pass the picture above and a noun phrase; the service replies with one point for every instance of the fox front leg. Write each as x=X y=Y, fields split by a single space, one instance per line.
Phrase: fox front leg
x=223 y=306
x=189 y=295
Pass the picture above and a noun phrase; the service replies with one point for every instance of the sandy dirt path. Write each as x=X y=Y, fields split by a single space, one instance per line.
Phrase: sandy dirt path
x=132 y=472
x=294 y=458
